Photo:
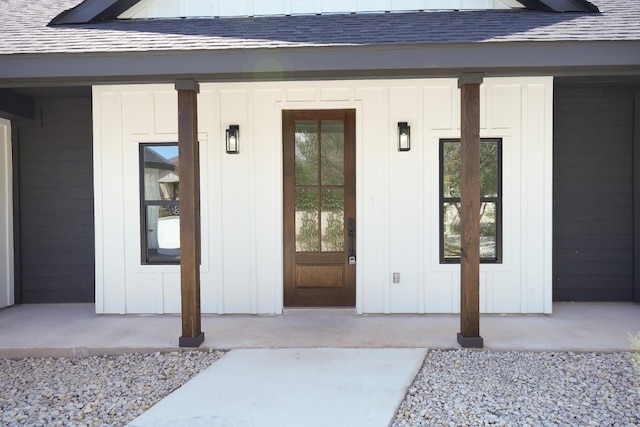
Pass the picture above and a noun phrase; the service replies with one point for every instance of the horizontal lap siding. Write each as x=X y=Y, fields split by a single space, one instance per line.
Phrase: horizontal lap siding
x=593 y=194
x=56 y=203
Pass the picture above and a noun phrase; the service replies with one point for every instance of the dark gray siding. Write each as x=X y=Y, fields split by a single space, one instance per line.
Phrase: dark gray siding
x=55 y=184
x=593 y=203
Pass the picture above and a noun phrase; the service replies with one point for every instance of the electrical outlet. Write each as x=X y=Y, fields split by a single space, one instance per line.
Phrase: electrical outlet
x=396 y=277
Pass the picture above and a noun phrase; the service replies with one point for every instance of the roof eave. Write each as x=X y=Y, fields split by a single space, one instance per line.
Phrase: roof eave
x=314 y=62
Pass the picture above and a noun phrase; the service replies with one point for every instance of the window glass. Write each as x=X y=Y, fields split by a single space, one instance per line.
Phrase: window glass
x=488 y=168
x=490 y=200
x=489 y=173
x=451 y=230
x=161 y=178
x=160 y=195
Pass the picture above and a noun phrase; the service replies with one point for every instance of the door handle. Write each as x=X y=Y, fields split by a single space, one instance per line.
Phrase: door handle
x=351 y=230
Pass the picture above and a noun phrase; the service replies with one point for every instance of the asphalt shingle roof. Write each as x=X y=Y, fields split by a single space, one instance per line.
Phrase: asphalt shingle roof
x=24 y=30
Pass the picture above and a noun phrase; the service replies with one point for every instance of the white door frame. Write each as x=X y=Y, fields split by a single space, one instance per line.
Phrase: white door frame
x=6 y=216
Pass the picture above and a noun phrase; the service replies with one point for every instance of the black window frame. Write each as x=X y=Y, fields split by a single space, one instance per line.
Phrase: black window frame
x=498 y=200
x=145 y=260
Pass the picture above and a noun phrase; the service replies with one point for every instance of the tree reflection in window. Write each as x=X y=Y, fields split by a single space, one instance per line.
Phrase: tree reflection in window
x=490 y=200
x=319 y=183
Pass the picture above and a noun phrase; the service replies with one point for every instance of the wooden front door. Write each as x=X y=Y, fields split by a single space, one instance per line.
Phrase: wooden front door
x=319 y=208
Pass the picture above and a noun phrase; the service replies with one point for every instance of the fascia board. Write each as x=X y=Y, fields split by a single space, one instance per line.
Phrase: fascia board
x=515 y=58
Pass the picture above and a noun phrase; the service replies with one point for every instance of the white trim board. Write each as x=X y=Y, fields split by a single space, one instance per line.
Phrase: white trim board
x=6 y=216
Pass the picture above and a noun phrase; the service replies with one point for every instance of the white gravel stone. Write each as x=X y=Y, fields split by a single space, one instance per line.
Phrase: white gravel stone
x=453 y=388
x=468 y=387
x=92 y=391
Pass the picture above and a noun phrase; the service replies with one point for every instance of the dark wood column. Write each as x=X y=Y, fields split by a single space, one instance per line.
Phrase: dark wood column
x=469 y=335
x=189 y=164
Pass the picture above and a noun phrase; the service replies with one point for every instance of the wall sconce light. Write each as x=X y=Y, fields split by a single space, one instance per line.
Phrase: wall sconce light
x=233 y=139
x=404 y=136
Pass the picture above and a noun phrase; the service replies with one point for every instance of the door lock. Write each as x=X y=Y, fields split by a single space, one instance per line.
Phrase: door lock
x=351 y=229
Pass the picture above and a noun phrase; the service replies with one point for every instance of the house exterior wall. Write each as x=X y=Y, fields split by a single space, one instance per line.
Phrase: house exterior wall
x=593 y=205
x=187 y=8
x=397 y=200
x=6 y=216
x=55 y=196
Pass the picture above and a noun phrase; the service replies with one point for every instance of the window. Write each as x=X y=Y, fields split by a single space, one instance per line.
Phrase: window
x=490 y=200
x=159 y=203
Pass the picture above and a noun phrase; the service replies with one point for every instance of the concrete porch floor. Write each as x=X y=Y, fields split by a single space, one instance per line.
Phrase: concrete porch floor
x=62 y=330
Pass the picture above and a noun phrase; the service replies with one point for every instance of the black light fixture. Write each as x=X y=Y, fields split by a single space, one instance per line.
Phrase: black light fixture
x=404 y=136
x=233 y=139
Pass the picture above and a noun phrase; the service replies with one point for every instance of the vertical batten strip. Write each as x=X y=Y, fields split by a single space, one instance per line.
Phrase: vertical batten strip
x=636 y=198
x=525 y=165
x=253 y=229
x=6 y=216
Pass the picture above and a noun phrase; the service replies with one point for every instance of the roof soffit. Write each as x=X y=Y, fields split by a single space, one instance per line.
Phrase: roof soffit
x=93 y=11
x=103 y=10
x=560 y=5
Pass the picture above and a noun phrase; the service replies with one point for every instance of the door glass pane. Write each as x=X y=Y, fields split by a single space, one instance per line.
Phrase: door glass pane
x=332 y=152
x=488 y=230
x=332 y=220
x=161 y=177
x=163 y=233
x=306 y=153
x=307 y=230
x=451 y=224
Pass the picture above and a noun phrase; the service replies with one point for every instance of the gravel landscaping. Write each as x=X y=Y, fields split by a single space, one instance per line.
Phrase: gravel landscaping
x=453 y=388
x=474 y=388
x=92 y=391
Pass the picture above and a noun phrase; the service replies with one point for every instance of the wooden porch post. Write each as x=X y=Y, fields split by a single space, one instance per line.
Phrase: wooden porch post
x=189 y=165
x=469 y=335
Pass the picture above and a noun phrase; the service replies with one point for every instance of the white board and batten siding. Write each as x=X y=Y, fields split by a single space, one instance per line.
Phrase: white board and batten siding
x=147 y=9
x=397 y=198
x=6 y=216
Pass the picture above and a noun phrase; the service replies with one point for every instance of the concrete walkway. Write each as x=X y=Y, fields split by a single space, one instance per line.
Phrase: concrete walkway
x=306 y=367
x=292 y=387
